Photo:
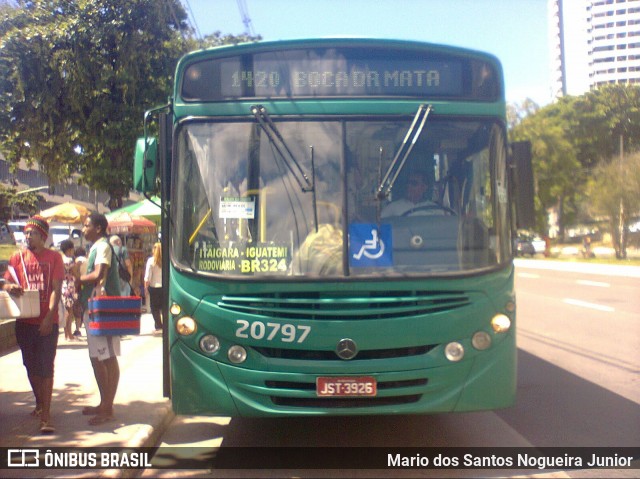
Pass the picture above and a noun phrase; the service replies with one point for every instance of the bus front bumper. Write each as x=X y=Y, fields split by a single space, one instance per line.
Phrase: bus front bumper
x=203 y=386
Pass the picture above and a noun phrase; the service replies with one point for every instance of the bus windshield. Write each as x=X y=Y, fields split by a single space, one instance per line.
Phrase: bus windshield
x=240 y=209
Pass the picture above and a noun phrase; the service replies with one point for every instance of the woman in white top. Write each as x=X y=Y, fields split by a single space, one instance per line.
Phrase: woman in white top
x=153 y=284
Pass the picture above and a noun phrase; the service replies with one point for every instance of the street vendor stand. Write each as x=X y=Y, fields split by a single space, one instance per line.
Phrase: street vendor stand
x=138 y=235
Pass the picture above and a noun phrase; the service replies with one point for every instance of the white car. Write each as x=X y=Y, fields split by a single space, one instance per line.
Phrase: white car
x=60 y=232
x=538 y=244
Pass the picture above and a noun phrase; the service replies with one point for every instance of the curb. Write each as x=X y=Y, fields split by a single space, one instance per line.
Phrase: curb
x=147 y=436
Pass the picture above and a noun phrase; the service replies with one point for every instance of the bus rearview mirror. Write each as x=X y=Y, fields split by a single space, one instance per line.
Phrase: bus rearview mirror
x=145 y=165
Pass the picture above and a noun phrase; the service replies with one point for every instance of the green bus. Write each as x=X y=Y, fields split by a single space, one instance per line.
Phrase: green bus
x=305 y=274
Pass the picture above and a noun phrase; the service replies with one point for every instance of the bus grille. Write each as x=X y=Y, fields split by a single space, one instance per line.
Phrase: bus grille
x=319 y=355
x=336 y=305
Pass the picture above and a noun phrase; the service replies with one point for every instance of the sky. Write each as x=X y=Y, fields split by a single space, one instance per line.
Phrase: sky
x=515 y=31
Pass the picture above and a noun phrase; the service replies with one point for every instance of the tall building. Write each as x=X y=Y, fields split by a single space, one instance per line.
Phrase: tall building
x=614 y=42
x=557 y=54
x=593 y=42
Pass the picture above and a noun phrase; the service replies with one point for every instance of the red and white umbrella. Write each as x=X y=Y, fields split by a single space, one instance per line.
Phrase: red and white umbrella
x=128 y=224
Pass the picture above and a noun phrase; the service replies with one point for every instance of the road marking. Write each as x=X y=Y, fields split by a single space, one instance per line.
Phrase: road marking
x=599 y=284
x=528 y=275
x=585 y=268
x=584 y=304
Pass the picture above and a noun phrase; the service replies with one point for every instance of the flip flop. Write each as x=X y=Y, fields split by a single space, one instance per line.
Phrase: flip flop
x=90 y=411
x=36 y=412
x=46 y=427
x=100 y=419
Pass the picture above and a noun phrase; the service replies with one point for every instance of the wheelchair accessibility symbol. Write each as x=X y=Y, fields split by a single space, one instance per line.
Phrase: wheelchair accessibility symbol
x=369 y=245
x=372 y=248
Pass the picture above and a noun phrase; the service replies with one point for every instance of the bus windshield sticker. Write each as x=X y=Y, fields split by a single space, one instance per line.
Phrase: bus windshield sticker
x=370 y=245
x=240 y=258
x=237 y=207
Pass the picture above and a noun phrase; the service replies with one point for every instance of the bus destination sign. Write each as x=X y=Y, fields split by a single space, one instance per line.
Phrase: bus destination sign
x=326 y=78
x=337 y=73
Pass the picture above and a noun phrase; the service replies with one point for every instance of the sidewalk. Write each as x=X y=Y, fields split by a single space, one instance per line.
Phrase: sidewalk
x=141 y=413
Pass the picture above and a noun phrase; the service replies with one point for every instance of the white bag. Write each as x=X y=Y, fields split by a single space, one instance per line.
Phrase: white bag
x=8 y=307
x=28 y=303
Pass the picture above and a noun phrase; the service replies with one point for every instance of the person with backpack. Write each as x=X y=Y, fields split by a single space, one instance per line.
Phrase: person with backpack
x=125 y=266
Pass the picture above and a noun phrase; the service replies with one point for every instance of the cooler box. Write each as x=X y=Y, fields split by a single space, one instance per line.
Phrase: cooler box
x=114 y=315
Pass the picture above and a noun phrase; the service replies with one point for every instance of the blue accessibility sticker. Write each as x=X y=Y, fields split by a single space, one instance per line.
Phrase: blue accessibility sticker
x=370 y=245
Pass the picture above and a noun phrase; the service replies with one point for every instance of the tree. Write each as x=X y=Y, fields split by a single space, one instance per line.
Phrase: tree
x=34 y=119
x=75 y=79
x=572 y=137
x=600 y=118
x=614 y=191
x=517 y=112
x=555 y=165
x=217 y=39
x=12 y=201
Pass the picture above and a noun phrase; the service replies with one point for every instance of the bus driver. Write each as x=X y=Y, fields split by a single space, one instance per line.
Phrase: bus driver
x=415 y=199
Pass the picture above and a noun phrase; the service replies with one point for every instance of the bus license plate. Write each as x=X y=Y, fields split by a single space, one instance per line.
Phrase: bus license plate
x=356 y=386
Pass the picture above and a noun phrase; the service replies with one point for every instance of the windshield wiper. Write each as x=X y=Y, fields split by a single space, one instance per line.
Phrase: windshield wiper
x=387 y=182
x=269 y=127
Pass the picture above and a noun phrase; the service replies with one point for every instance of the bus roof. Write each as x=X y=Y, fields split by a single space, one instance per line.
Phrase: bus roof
x=342 y=41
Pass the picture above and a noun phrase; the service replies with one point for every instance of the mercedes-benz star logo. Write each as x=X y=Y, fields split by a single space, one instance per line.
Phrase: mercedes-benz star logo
x=346 y=349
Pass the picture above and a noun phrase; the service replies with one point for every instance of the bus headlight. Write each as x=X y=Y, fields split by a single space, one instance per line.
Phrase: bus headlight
x=500 y=323
x=209 y=344
x=237 y=354
x=454 y=351
x=481 y=340
x=175 y=309
x=186 y=326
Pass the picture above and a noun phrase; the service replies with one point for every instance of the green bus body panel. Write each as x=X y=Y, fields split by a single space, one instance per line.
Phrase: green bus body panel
x=204 y=384
x=339 y=107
